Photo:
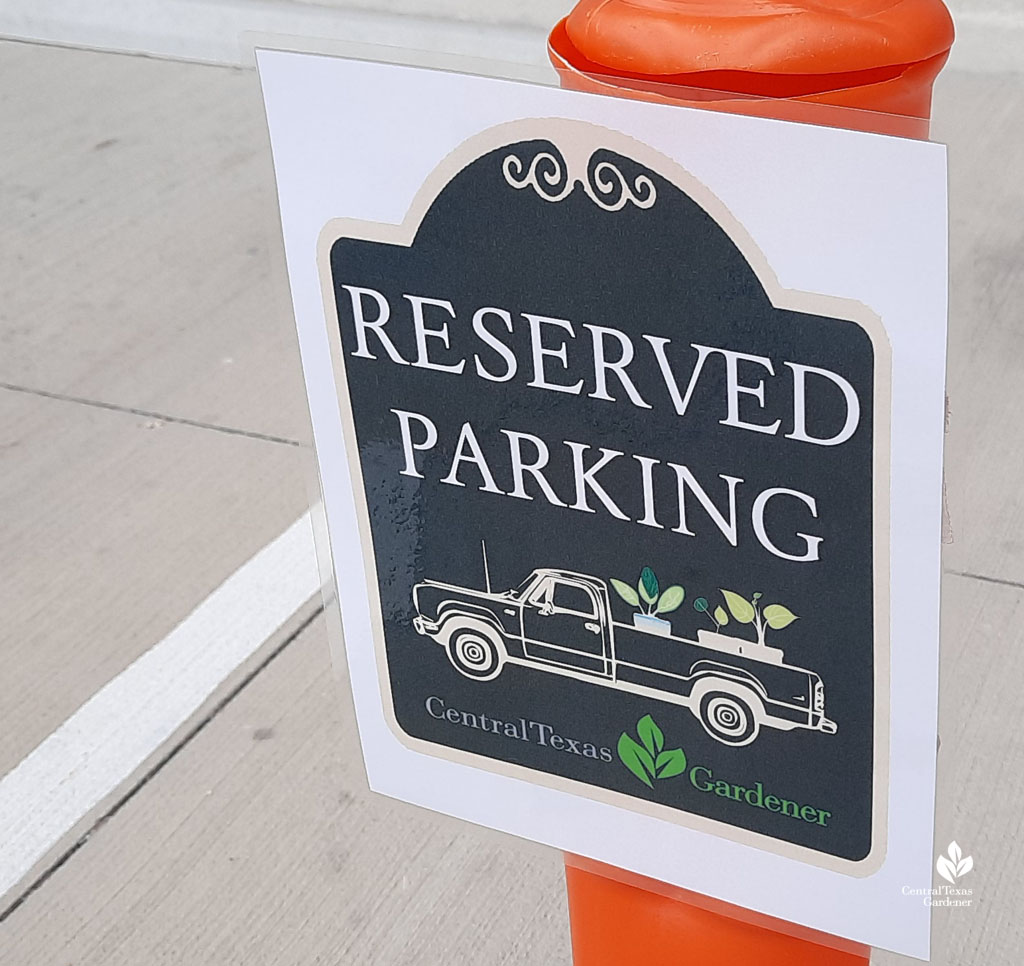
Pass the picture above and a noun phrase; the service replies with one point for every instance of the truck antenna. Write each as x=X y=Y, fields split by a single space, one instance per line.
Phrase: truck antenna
x=487 y=572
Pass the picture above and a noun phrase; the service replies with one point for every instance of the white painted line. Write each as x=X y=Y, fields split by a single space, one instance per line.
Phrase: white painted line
x=128 y=719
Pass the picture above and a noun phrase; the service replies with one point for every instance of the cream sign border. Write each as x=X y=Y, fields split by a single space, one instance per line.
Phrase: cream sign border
x=579 y=139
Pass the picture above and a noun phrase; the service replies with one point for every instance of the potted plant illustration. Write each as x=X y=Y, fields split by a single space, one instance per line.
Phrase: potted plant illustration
x=718 y=616
x=743 y=611
x=651 y=601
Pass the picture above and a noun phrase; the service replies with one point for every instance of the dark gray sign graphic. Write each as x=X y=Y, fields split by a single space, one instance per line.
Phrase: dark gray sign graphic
x=621 y=505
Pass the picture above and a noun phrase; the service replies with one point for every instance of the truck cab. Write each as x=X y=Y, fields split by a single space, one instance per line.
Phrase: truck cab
x=565 y=621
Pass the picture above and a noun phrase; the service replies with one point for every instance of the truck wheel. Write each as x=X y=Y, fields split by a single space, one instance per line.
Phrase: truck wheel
x=476 y=654
x=728 y=718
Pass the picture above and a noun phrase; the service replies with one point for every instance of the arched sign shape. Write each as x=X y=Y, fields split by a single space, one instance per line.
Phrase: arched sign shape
x=623 y=498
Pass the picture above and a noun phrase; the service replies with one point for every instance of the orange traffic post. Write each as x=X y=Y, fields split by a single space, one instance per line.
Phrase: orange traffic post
x=856 y=64
x=851 y=63
x=624 y=919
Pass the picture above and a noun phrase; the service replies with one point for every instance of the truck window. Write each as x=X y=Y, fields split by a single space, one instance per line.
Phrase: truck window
x=573 y=599
x=521 y=590
x=540 y=593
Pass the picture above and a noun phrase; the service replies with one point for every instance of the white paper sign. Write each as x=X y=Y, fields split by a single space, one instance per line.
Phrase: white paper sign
x=629 y=421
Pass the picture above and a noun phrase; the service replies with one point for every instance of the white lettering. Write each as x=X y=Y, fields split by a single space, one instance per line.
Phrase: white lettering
x=363 y=325
x=647 y=479
x=519 y=467
x=811 y=543
x=585 y=479
x=409 y=448
x=733 y=389
x=680 y=403
x=602 y=366
x=685 y=479
x=468 y=440
x=800 y=406
x=511 y=363
x=541 y=352
x=422 y=333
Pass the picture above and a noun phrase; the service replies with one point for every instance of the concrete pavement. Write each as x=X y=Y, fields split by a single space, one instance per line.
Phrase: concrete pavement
x=152 y=430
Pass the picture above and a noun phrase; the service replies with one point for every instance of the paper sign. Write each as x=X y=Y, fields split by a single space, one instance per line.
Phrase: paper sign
x=629 y=421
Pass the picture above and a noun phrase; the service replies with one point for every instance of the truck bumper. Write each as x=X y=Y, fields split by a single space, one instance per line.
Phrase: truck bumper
x=827 y=725
x=422 y=626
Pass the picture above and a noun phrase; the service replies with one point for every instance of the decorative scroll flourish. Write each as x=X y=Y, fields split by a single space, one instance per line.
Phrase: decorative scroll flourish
x=547 y=175
x=605 y=184
x=608 y=188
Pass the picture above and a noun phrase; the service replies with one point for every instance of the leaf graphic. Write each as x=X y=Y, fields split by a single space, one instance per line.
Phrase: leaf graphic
x=778 y=616
x=741 y=609
x=670 y=600
x=700 y=605
x=721 y=617
x=634 y=757
x=626 y=592
x=946 y=869
x=964 y=866
x=671 y=763
x=650 y=734
x=954 y=852
x=648 y=585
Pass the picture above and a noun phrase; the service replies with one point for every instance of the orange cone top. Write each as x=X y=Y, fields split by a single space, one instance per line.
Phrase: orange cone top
x=666 y=37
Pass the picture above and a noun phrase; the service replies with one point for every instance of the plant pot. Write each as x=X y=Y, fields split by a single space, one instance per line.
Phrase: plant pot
x=652 y=625
x=737 y=645
x=723 y=642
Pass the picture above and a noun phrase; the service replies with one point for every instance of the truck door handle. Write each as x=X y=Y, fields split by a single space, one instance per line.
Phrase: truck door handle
x=593 y=627
x=510 y=611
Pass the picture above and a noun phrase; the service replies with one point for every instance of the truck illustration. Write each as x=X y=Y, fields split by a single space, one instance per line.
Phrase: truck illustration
x=561 y=622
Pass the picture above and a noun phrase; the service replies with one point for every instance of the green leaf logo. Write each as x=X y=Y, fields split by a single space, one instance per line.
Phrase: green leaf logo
x=636 y=758
x=650 y=734
x=648 y=759
x=721 y=617
x=670 y=763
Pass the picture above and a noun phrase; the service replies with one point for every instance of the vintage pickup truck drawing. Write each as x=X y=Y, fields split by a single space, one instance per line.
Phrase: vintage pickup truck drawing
x=561 y=622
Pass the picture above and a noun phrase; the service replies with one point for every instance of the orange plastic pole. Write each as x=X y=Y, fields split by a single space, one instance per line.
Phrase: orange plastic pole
x=621 y=919
x=850 y=63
